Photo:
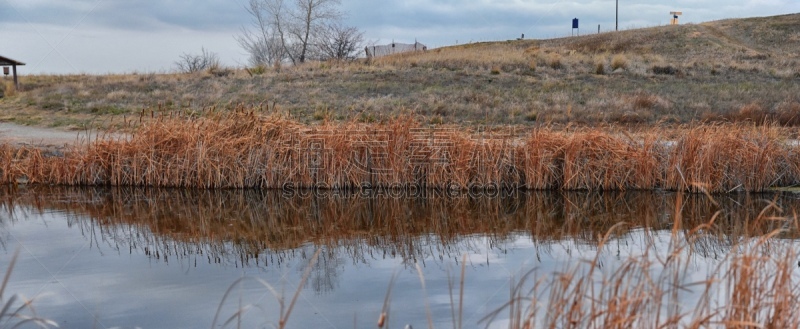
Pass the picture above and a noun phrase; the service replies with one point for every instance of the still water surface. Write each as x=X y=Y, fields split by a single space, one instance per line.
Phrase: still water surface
x=104 y=258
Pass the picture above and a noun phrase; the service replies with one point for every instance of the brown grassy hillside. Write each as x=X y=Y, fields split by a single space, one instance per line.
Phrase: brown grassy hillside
x=730 y=70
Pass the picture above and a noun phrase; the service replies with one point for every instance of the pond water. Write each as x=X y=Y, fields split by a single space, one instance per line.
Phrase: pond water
x=160 y=258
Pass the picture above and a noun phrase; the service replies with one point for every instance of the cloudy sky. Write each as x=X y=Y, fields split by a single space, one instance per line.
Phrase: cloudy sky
x=117 y=36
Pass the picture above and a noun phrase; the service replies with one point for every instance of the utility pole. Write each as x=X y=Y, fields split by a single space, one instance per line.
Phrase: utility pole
x=617 y=17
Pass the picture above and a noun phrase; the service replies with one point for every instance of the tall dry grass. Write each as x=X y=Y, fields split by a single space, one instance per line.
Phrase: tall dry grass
x=246 y=149
x=720 y=158
x=752 y=286
x=18 y=311
x=7 y=89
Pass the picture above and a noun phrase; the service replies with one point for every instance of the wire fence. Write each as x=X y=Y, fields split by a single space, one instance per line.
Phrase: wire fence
x=393 y=48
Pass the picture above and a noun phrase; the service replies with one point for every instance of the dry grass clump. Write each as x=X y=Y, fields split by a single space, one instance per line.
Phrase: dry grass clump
x=17 y=163
x=8 y=171
x=644 y=101
x=619 y=61
x=724 y=158
x=753 y=112
x=635 y=108
x=785 y=114
x=761 y=286
x=788 y=113
x=599 y=67
x=554 y=61
x=242 y=148
x=7 y=89
x=543 y=157
x=599 y=161
x=666 y=70
x=532 y=66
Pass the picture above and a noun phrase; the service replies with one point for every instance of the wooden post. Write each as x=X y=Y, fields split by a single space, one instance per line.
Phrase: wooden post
x=16 y=82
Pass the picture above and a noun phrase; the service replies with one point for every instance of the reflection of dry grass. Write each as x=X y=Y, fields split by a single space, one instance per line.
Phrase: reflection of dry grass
x=244 y=149
x=754 y=283
x=256 y=220
x=284 y=311
x=753 y=286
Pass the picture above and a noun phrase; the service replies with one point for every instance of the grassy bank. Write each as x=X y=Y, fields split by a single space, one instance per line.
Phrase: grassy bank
x=732 y=70
x=243 y=148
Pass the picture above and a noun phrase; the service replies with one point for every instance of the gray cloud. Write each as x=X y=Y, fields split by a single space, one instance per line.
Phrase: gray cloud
x=150 y=34
x=146 y=15
x=443 y=21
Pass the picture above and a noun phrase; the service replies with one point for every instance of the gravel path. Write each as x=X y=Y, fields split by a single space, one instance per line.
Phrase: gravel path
x=40 y=137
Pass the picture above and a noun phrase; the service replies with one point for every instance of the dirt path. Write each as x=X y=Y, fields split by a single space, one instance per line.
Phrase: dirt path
x=40 y=137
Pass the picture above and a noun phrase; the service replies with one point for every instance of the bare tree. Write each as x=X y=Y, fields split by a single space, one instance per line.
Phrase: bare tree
x=293 y=30
x=263 y=42
x=340 y=42
x=311 y=18
x=190 y=63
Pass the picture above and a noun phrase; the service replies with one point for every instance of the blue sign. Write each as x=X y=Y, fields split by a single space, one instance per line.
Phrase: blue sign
x=574 y=23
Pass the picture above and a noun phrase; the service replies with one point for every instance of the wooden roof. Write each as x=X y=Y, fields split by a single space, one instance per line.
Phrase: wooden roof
x=5 y=61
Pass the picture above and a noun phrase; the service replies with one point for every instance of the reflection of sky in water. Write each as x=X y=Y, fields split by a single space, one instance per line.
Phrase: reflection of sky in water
x=77 y=272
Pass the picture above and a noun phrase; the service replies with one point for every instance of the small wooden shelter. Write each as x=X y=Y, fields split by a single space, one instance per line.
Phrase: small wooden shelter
x=5 y=62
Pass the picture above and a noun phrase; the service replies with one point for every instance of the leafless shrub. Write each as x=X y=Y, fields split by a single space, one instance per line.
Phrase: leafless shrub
x=340 y=42
x=191 y=63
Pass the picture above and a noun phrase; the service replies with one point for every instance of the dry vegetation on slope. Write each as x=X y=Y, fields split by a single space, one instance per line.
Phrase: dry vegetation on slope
x=731 y=70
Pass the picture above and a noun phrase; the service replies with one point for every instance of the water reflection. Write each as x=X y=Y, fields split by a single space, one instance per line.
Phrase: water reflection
x=216 y=236
x=264 y=228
